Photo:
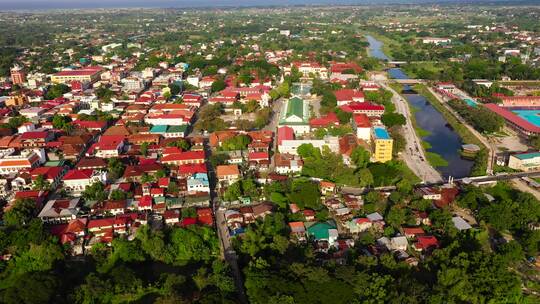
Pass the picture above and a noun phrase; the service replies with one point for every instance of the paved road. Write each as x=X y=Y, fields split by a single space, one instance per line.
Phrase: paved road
x=316 y=104
x=523 y=186
x=228 y=251
x=277 y=107
x=477 y=134
x=414 y=154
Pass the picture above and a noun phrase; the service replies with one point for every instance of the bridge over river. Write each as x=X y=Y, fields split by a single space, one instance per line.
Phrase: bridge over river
x=408 y=81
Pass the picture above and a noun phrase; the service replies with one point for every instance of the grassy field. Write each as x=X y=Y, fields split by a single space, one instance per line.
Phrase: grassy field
x=431 y=66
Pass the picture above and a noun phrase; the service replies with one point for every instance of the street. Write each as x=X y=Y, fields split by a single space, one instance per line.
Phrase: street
x=277 y=107
x=228 y=251
x=523 y=186
x=413 y=155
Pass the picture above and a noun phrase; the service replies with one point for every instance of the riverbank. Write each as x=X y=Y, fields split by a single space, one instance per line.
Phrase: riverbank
x=413 y=155
x=480 y=161
x=387 y=44
x=435 y=159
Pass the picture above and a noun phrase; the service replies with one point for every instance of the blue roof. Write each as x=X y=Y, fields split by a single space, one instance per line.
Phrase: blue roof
x=381 y=133
x=198 y=178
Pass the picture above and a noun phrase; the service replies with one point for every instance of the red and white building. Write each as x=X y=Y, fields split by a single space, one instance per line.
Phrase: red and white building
x=347 y=96
x=370 y=109
x=308 y=69
x=362 y=126
x=184 y=158
x=76 y=180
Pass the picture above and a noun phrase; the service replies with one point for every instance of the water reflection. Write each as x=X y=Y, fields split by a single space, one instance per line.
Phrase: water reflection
x=442 y=138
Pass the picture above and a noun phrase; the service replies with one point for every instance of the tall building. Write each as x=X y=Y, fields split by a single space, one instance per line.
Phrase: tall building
x=17 y=75
x=382 y=145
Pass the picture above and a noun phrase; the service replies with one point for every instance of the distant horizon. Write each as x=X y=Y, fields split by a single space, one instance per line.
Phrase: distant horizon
x=10 y=5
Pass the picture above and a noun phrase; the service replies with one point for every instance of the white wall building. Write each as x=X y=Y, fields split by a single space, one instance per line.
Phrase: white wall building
x=291 y=146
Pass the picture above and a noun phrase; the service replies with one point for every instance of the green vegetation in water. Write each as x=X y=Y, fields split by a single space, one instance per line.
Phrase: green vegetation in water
x=436 y=160
x=426 y=145
x=421 y=132
x=480 y=161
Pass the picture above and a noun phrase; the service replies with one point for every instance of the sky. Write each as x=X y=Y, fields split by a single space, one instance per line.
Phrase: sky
x=58 y=4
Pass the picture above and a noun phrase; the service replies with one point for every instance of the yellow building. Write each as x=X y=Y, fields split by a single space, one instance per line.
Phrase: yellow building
x=382 y=145
x=82 y=75
x=16 y=100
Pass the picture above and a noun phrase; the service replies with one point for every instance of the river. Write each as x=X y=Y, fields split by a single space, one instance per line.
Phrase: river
x=442 y=138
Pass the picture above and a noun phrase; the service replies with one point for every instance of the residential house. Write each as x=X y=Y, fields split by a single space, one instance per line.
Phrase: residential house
x=357 y=225
x=298 y=231
x=171 y=217
x=60 y=210
x=183 y=158
x=91 y=163
x=323 y=231
x=198 y=183
x=12 y=162
x=347 y=96
x=227 y=174
x=35 y=139
x=288 y=163
x=76 y=180
x=426 y=242
x=52 y=175
x=327 y=187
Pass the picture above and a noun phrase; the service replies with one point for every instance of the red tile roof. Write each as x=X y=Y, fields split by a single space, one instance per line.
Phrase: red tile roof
x=99 y=223
x=361 y=121
x=425 y=242
x=340 y=67
x=285 y=133
x=192 y=169
x=361 y=106
x=348 y=94
x=145 y=201
x=87 y=124
x=513 y=118
x=81 y=72
x=75 y=174
x=258 y=155
x=188 y=221
x=189 y=155
x=325 y=121
x=47 y=172
x=413 y=231
x=34 y=135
